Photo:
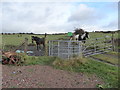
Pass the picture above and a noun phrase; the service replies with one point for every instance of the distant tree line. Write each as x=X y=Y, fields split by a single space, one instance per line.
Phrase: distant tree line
x=107 y=31
x=58 y=33
x=15 y=33
x=76 y=31
x=32 y=34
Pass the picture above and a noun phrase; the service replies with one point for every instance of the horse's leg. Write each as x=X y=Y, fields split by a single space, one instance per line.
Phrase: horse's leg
x=44 y=45
x=37 y=47
x=32 y=41
x=77 y=41
x=71 y=38
x=84 y=40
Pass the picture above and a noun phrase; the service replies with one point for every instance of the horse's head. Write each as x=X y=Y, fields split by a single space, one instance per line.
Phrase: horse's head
x=86 y=34
x=32 y=38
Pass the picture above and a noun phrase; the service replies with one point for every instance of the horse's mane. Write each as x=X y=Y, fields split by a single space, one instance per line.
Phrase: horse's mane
x=38 y=37
x=79 y=31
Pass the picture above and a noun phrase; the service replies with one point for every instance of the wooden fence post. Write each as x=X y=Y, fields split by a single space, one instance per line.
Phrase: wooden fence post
x=69 y=52
x=46 y=47
x=96 y=45
x=105 y=43
x=113 y=46
x=49 y=48
x=52 y=42
x=80 y=50
x=26 y=44
x=58 y=44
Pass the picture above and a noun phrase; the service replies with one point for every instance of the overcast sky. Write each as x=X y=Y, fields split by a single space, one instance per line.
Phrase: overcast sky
x=58 y=17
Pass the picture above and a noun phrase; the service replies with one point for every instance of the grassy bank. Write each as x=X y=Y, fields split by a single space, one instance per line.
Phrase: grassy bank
x=109 y=74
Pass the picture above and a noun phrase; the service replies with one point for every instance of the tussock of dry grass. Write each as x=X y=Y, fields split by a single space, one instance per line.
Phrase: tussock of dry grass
x=70 y=62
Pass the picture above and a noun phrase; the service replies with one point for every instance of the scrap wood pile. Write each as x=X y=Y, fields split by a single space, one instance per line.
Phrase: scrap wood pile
x=11 y=58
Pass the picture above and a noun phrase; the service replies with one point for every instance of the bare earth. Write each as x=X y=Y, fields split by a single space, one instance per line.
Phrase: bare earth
x=38 y=76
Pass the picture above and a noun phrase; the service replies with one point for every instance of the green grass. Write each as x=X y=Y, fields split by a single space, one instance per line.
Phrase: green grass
x=33 y=60
x=107 y=73
x=98 y=35
x=108 y=58
x=113 y=53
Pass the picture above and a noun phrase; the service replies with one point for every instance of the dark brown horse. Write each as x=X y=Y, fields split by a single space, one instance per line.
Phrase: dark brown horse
x=38 y=41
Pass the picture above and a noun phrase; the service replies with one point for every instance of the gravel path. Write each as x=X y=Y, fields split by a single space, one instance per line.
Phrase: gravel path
x=38 y=76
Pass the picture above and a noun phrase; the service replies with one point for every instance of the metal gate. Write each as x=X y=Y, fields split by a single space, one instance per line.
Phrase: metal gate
x=65 y=49
x=97 y=46
x=69 y=49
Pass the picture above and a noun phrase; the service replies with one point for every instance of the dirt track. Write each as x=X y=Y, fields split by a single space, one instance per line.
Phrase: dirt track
x=38 y=76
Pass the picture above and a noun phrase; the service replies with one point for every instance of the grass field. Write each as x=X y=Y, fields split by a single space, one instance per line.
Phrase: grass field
x=15 y=40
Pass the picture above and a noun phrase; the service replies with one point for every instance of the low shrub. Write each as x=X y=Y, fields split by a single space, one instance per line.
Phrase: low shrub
x=34 y=60
x=69 y=63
